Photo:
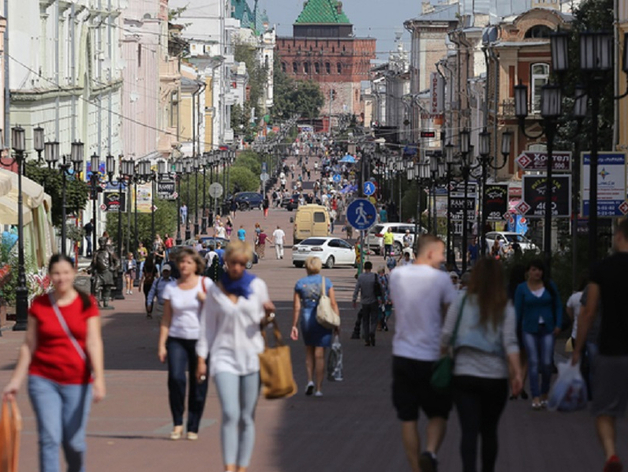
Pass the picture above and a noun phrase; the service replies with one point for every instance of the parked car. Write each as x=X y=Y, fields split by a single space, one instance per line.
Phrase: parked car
x=509 y=239
x=332 y=251
x=375 y=238
x=248 y=200
x=290 y=203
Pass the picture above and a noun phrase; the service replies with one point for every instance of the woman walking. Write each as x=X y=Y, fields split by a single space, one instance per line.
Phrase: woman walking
x=385 y=303
x=178 y=336
x=540 y=313
x=307 y=293
x=62 y=355
x=485 y=349
x=235 y=310
x=130 y=268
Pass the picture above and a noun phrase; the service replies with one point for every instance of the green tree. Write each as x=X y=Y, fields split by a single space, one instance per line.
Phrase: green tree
x=258 y=79
x=250 y=160
x=77 y=191
x=244 y=178
x=294 y=96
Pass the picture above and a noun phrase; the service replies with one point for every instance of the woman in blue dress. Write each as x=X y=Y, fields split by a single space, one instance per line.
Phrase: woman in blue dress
x=307 y=292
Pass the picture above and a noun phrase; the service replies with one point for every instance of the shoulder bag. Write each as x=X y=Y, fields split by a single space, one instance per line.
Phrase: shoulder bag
x=276 y=368
x=325 y=314
x=444 y=368
x=64 y=325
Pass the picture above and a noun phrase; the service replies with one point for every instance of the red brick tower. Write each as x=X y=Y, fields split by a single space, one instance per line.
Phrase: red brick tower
x=322 y=48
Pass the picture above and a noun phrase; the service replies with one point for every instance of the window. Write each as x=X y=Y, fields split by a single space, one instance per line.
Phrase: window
x=295 y=68
x=283 y=66
x=328 y=68
x=317 y=68
x=339 y=68
x=306 y=67
x=319 y=217
x=539 y=31
x=538 y=78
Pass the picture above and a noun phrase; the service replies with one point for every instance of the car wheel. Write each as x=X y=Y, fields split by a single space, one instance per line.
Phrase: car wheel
x=244 y=206
x=298 y=264
x=397 y=247
x=330 y=262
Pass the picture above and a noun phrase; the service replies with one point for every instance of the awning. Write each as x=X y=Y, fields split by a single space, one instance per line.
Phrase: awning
x=32 y=193
x=8 y=212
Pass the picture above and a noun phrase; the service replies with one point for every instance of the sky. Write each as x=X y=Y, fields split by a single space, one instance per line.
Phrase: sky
x=379 y=19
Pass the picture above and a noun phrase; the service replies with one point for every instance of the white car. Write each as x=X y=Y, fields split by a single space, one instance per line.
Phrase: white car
x=375 y=239
x=332 y=251
x=509 y=239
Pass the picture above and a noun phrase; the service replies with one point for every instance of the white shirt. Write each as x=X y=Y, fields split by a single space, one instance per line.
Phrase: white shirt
x=186 y=309
x=278 y=236
x=574 y=304
x=221 y=232
x=230 y=332
x=419 y=293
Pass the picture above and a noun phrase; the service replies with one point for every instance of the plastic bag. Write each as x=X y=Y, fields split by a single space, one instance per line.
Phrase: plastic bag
x=569 y=393
x=10 y=427
x=334 y=361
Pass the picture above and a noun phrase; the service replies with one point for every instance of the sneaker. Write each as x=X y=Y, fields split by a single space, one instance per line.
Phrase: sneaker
x=427 y=462
x=318 y=394
x=524 y=395
x=613 y=465
x=309 y=390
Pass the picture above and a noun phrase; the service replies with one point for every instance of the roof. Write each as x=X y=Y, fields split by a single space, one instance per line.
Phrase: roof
x=440 y=13
x=325 y=12
x=255 y=19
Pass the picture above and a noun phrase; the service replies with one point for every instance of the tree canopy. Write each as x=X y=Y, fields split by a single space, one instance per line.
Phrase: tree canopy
x=295 y=96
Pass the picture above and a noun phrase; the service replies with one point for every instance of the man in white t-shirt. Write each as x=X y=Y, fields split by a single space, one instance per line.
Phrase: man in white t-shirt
x=279 y=238
x=421 y=294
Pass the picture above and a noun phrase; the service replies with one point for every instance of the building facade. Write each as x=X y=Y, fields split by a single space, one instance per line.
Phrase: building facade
x=323 y=49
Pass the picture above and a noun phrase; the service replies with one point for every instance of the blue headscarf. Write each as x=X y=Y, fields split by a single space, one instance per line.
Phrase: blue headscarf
x=240 y=287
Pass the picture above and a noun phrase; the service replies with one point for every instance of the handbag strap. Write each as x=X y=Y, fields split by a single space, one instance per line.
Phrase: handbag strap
x=64 y=325
x=322 y=286
x=278 y=338
x=454 y=335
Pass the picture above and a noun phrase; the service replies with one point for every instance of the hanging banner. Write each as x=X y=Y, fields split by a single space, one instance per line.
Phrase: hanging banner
x=611 y=184
x=113 y=200
x=495 y=201
x=534 y=195
x=437 y=92
x=144 y=198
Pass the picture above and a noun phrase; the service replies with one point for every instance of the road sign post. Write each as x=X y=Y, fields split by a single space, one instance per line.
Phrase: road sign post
x=362 y=215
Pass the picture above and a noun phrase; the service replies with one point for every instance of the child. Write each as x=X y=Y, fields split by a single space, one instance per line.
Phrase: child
x=130 y=269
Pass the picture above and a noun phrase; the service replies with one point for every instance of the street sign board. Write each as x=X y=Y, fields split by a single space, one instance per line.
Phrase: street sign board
x=369 y=188
x=337 y=178
x=166 y=189
x=522 y=207
x=495 y=201
x=611 y=183
x=534 y=194
x=215 y=190
x=456 y=188
x=361 y=214
x=457 y=212
x=264 y=176
x=114 y=201
x=537 y=160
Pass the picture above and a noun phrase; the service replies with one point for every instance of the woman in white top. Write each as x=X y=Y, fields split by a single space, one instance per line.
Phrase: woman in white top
x=179 y=332
x=235 y=309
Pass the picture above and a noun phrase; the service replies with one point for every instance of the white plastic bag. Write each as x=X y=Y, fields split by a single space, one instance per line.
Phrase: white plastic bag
x=569 y=393
x=334 y=361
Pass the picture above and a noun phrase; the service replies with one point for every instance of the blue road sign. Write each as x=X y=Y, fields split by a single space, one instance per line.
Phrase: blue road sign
x=361 y=214
x=337 y=178
x=369 y=188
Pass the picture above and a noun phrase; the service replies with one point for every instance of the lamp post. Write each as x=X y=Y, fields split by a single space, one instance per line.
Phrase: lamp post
x=146 y=174
x=465 y=146
x=38 y=141
x=204 y=164
x=196 y=166
x=486 y=163
x=94 y=180
x=421 y=173
x=178 y=171
x=110 y=166
x=128 y=174
x=18 y=143
x=449 y=161
x=188 y=172
x=434 y=167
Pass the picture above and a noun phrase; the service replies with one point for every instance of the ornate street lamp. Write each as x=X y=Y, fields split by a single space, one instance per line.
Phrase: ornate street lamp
x=38 y=141
x=178 y=170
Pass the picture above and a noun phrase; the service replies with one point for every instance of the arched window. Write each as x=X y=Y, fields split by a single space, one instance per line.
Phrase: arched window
x=539 y=75
x=306 y=67
x=283 y=66
x=328 y=68
x=339 y=68
x=317 y=68
x=295 y=67
x=539 y=31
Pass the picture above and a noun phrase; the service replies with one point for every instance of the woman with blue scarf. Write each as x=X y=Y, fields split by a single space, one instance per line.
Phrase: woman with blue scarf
x=230 y=322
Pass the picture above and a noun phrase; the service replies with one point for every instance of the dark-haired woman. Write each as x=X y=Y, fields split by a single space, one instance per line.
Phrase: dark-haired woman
x=487 y=354
x=179 y=332
x=540 y=313
x=62 y=355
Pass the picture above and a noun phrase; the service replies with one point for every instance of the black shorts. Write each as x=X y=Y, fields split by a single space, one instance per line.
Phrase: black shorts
x=412 y=391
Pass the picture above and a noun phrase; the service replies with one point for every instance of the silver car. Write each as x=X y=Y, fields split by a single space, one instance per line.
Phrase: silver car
x=509 y=239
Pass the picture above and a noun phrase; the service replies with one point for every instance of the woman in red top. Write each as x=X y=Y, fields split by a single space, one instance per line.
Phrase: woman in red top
x=63 y=356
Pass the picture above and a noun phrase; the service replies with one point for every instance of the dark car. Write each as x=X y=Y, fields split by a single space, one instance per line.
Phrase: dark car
x=248 y=200
x=290 y=203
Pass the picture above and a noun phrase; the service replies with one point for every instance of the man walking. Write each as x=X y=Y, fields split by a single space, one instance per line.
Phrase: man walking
x=609 y=381
x=369 y=289
x=279 y=238
x=89 y=231
x=421 y=294
x=184 y=213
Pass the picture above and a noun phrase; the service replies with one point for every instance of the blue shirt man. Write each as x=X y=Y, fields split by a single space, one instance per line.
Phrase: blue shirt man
x=242 y=234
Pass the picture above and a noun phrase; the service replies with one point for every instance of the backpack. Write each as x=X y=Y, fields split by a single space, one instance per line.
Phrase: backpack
x=215 y=270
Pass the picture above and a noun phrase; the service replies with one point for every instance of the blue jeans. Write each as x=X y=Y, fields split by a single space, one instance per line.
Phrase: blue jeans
x=182 y=357
x=238 y=399
x=540 y=349
x=61 y=412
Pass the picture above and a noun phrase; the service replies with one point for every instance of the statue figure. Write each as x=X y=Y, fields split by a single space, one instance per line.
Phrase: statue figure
x=103 y=267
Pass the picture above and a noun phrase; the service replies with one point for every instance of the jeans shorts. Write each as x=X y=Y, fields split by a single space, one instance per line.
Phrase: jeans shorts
x=412 y=390
x=610 y=385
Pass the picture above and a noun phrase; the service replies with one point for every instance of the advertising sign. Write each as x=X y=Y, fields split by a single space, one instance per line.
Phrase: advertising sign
x=496 y=201
x=114 y=201
x=611 y=184
x=533 y=160
x=144 y=198
x=166 y=189
x=437 y=89
x=457 y=189
x=534 y=195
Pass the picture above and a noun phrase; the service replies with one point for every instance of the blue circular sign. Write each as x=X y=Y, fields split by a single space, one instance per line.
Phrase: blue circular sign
x=369 y=188
x=337 y=178
x=361 y=214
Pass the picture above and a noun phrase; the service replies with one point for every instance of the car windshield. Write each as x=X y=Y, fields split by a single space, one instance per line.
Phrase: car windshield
x=312 y=242
x=378 y=229
x=512 y=238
